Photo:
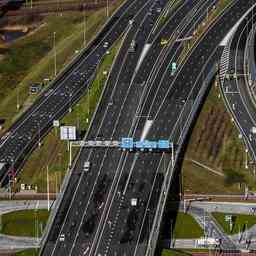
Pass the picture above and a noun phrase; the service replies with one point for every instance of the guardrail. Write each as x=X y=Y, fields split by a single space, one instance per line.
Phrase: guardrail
x=250 y=65
x=251 y=54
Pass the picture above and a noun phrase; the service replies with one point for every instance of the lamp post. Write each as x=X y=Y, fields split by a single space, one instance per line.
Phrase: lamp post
x=18 y=98
x=70 y=109
x=48 y=188
x=85 y=26
x=39 y=134
x=55 y=55
x=107 y=8
x=246 y=160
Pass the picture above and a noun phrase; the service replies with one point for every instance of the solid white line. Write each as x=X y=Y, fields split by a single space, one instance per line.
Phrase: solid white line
x=142 y=56
x=146 y=129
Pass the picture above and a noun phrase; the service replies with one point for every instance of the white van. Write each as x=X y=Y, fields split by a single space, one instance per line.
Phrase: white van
x=86 y=166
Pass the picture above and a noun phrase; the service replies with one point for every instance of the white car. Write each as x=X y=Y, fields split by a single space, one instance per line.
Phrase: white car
x=86 y=166
x=131 y=22
x=62 y=237
x=105 y=45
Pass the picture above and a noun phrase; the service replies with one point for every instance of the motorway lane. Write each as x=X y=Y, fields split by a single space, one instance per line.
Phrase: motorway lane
x=235 y=90
x=109 y=242
x=213 y=38
x=29 y=129
x=155 y=50
x=157 y=90
x=121 y=90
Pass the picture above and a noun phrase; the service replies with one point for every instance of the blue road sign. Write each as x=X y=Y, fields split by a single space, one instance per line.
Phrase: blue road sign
x=163 y=144
x=139 y=145
x=127 y=143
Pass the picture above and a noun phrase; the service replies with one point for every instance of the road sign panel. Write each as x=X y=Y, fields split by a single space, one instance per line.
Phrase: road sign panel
x=56 y=123
x=139 y=144
x=68 y=133
x=127 y=143
x=163 y=144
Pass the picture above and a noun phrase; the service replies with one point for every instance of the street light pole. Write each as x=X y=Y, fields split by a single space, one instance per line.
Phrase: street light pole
x=48 y=188
x=85 y=26
x=18 y=98
x=55 y=55
x=88 y=109
x=70 y=109
x=107 y=8
x=39 y=135
x=246 y=160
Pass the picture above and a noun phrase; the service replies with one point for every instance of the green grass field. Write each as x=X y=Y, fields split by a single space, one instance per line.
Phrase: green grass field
x=30 y=223
x=186 y=227
x=241 y=222
x=181 y=252
x=166 y=252
x=31 y=252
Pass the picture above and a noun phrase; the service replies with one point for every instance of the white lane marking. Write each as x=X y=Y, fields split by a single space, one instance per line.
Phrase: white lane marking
x=87 y=249
x=142 y=56
x=146 y=129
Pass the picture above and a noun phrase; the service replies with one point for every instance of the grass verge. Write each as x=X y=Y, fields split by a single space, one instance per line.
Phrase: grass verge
x=30 y=252
x=29 y=223
x=181 y=252
x=215 y=142
x=241 y=222
x=186 y=227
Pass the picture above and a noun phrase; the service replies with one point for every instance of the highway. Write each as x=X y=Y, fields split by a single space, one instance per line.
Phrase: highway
x=141 y=99
x=27 y=132
x=110 y=160
x=96 y=183
x=235 y=89
x=109 y=224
